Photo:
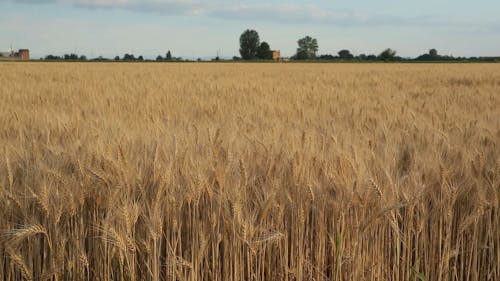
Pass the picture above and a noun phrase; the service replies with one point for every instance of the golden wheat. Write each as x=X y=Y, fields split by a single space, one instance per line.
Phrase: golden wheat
x=116 y=171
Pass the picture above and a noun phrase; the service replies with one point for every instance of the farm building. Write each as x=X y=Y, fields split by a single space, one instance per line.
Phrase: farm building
x=22 y=54
x=276 y=55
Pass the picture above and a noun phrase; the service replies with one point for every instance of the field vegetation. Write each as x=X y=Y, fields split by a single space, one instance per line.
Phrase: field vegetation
x=117 y=171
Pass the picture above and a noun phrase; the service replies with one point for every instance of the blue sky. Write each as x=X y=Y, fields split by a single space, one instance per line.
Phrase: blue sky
x=201 y=28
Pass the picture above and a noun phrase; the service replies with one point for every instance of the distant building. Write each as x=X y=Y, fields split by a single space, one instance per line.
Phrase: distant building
x=276 y=55
x=22 y=54
x=5 y=54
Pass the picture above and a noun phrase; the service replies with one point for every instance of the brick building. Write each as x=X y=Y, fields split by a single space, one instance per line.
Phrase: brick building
x=22 y=54
x=276 y=55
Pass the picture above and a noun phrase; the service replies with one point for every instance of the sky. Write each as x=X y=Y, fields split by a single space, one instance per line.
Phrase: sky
x=202 y=28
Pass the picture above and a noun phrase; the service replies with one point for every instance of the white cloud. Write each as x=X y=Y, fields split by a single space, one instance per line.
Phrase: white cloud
x=182 y=7
x=230 y=10
x=289 y=13
x=277 y=11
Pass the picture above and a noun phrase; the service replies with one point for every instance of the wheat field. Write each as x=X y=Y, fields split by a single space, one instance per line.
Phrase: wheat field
x=124 y=171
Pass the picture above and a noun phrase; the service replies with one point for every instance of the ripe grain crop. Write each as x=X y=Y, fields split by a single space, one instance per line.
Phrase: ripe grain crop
x=116 y=171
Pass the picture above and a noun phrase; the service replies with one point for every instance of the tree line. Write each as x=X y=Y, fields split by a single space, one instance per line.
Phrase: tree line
x=252 y=49
x=126 y=57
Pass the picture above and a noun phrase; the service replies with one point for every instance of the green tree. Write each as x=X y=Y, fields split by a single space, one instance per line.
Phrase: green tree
x=168 y=56
x=128 y=57
x=71 y=57
x=432 y=55
x=52 y=57
x=388 y=55
x=249 y=44
x=264 y=52
x=307 y=49
x=117 y=58
x=345 y=55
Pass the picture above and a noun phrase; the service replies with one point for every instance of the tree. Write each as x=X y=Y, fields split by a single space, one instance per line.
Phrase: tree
x=83 y=57
x=345 y=55
x=308 y=47
x=264 y=52
x=117 y=58
x=140 y=58
x=159 y=58
x=168 y=56
x=326 y=57
x=128 y=57
x=431 y=56
x=249 y=44
x=52 y=57
x=71 y=57
x=388 y=55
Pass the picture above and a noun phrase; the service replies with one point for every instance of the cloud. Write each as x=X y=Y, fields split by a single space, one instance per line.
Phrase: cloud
x=229 y=10
x=278 y=12
x=289 y=13
x=173 y=7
